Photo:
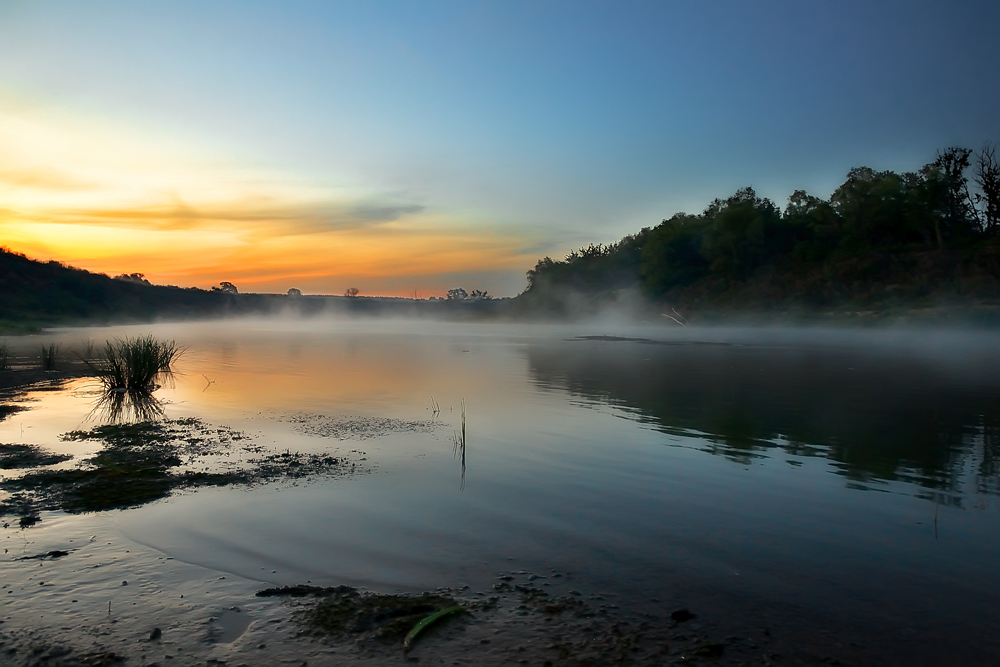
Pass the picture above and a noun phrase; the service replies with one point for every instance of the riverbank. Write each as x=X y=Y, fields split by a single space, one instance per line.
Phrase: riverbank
x=77 y=592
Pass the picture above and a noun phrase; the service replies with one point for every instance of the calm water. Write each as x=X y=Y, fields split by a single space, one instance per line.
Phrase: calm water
x=845 y=477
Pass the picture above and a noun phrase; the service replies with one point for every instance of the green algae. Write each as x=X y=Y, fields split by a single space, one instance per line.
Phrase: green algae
x=143 y=462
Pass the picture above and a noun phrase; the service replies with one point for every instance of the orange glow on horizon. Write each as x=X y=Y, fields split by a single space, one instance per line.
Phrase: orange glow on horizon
x=112 y=200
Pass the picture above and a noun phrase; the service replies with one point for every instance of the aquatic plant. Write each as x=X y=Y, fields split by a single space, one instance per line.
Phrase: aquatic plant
x=48 y=357
x=130 y=370
x=20 y=455
x=4 y=356
x=460 y=435
x=136 y=364
x=459 y=450
x=368 y=619
x=124 y=406
x=141 y=462
x=427 y=622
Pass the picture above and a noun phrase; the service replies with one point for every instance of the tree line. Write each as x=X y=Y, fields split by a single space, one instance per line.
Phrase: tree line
x=952 y=203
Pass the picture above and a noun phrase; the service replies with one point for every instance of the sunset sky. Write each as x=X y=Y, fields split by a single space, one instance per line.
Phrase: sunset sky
x=408 y=147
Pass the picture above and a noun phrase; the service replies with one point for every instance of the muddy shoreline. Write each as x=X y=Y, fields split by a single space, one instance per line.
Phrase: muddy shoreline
x=74 y=598
x=25 y=375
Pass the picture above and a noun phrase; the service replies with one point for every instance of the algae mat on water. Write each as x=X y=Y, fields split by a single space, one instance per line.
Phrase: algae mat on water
x=139 y=463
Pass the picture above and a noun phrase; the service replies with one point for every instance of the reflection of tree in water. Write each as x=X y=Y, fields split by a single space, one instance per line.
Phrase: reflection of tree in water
x=877 y=416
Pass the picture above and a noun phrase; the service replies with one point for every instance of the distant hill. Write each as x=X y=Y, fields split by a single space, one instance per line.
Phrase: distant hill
x=37 y=294
x=34 y=294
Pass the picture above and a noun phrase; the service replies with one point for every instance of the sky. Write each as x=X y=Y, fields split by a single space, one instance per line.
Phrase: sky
x=405 y=148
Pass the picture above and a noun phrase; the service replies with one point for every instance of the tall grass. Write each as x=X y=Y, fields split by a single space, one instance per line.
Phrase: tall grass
x=4 y=356
x=130 y=370
x=49 y=356
x=136 y=364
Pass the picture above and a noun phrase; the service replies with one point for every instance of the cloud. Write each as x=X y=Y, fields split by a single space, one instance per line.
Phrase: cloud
x=124 y=199
x=545 y=247
x=386 y=213
x=42 y=178
x=254 y=217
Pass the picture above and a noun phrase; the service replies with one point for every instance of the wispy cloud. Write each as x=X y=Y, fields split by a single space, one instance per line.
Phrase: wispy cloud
x=254 y=217
x=374 y=213
x=124 y=201
x=42 y=178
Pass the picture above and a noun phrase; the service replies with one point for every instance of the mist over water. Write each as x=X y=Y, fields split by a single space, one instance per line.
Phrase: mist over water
x=849 y=476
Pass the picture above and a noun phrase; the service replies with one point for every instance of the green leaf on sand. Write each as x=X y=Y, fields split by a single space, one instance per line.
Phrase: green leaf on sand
x=427 y=622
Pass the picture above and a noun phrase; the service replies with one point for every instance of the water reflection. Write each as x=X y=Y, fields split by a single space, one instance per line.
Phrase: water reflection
x=126 y=406
x=877 y=415
x=459 y=450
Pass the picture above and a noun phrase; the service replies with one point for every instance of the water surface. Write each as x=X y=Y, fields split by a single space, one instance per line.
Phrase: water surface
x=833 y=478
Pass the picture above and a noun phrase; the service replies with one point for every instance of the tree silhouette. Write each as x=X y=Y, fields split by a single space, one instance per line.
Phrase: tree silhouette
x=987 y=177
x=352 y=292
x=134 y=278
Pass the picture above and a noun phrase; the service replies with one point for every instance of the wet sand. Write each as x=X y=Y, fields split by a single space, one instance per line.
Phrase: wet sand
x=61 y=575
x=75 y=592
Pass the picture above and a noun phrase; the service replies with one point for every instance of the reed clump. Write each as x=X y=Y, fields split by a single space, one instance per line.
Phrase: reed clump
x=49 y=355
x=459 y=450
x=4 y=356
x=137 y=365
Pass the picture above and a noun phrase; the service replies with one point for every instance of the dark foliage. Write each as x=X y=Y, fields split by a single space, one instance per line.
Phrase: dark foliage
x=880 y=237
x=41 y=293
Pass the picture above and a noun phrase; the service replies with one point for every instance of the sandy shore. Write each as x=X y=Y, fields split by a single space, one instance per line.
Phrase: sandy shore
x=75 y=591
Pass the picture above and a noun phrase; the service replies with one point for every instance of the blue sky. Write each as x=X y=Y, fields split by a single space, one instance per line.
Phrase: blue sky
x=339 y=133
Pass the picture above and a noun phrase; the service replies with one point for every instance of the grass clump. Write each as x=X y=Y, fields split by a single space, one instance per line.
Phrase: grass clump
x=4 y=356
x=89 y=349
x=136 y=364
x=49 y=355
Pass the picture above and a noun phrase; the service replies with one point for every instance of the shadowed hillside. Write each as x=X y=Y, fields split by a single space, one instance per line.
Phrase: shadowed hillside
x=36 y=294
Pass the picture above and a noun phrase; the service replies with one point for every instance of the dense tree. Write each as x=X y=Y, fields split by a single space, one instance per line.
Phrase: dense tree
x=737 y=240
x=672 y=255
x=872 y=217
